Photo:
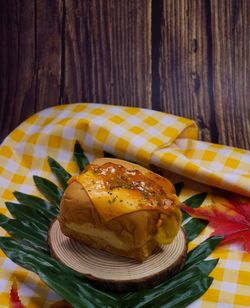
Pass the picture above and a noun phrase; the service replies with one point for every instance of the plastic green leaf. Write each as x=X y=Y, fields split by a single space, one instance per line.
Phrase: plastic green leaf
x=194 y=202
x=62 y=175
x=24 y=230
x=196 y=271
x=44 y=206
x=186 y=294
x=24 y=212
x=203 y=250
x=48 y=189
x=80 y=157
x=69 y=284
x=11 y=246
x=194 y=227
x=178 y=188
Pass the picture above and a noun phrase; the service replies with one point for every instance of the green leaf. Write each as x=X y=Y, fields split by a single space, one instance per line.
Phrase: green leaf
x=189 y=292
x=62 y=175
x=180 y=289
x=67 y=283
x=203 y=250
x=194 y=227
x=204 y=267
x=24 y=230
x=178 y=188
x=77 y=293
x=194 y=202
x=164 y=296
x=48 y=189
x=11 y=246
x=195 y=271
x=48 y=268
x=27 y=213
x=80 y=157
x=48 y=209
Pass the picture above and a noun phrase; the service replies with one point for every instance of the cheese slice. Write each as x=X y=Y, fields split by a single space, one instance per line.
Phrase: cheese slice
x=115 y=191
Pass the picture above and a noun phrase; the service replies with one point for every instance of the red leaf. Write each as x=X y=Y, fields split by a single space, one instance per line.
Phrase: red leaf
x=229 y=217
x=15 y=301
x=242 y=204
x=246 y=237
x=228 y=228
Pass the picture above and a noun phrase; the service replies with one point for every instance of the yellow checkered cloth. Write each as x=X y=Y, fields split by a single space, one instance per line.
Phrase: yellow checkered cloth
x=145 y=136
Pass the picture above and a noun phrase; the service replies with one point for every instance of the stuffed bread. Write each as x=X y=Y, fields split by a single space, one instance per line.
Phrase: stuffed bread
x=120 y=207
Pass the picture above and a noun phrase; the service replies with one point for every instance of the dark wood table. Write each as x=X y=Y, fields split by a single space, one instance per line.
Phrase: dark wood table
x=186 y=57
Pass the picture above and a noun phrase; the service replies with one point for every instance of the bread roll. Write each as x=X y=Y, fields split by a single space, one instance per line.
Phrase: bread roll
x=121 y=208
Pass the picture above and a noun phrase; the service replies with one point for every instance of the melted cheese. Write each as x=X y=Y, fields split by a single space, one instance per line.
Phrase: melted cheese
x=115 y=190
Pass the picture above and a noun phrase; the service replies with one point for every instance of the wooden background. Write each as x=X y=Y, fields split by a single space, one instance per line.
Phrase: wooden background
x=186 y=57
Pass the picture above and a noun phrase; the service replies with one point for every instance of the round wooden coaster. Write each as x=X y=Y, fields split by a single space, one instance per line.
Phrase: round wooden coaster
x=115 y=273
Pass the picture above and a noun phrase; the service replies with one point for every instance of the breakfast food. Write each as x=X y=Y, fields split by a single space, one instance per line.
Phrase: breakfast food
x=120 y=207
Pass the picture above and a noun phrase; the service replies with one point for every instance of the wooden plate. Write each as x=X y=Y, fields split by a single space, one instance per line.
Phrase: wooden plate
x=116 y=273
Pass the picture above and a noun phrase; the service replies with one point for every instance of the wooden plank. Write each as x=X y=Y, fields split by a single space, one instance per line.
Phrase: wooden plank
x=107 y=52
x=17 y=63
x=204 y=67
x=185 y=88
x=30 y=59
x=230 y=25
x=48 y=45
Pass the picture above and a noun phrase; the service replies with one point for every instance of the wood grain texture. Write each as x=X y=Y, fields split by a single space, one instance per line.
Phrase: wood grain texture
x=17 y=63
x=107 y=52
x=183 y=63
x=230 y=25
x=111 y=272
x=48 y=46
x=204 y=63
x=30 y=59
x=186 y=57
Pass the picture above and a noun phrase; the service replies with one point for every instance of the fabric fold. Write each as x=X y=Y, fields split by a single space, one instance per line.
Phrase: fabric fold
x=136 y=134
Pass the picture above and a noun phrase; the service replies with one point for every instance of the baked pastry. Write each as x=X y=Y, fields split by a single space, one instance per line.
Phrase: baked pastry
x=120 y=207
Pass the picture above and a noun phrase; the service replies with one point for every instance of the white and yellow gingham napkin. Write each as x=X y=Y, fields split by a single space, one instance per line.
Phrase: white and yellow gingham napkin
x=145 y=136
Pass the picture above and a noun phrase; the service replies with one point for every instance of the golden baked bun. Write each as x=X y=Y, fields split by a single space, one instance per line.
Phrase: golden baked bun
x=120 y=207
